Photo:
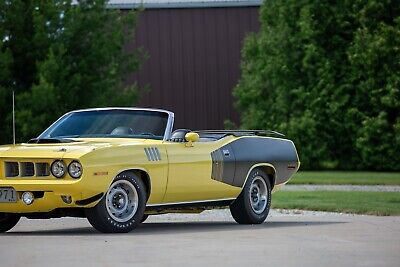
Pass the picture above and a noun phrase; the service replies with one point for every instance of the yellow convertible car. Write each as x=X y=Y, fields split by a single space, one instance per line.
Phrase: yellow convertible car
x=117 y=166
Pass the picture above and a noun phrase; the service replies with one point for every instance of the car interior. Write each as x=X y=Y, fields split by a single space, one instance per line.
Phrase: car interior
x=178 y=136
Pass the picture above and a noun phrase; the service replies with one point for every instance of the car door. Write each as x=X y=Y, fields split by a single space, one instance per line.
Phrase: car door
x=189 y=174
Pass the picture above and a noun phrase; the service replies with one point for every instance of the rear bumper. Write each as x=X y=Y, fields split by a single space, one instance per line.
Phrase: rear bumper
x=52 y=191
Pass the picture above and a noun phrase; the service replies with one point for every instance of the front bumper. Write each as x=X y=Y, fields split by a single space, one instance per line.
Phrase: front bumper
x=51 y=198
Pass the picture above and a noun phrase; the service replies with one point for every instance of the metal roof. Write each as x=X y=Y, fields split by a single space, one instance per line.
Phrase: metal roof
x=129 y=4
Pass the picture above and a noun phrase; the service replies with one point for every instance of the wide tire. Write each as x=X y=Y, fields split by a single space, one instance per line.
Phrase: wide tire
x=253 y=204
x=144 y=218
x=122 y=208
x=8 y=221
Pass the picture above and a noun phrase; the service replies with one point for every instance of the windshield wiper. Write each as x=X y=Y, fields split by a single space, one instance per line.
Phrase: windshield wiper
x=148 y=134
x=66 y=136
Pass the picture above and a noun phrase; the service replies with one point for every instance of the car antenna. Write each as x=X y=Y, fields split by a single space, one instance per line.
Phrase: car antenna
x=13 y=106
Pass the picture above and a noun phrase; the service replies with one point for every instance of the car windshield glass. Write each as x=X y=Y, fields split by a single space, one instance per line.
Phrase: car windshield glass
x=110 y=123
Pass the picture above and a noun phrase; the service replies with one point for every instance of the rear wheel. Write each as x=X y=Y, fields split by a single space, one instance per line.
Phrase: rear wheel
x=8 y=221
x=122 y=208
x=253 y=204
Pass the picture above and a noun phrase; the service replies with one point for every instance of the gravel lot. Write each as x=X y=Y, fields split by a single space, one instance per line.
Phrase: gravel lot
x=288 y=238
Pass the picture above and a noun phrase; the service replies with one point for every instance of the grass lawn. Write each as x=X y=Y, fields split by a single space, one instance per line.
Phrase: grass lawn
x=341 y=177
x=373 y=203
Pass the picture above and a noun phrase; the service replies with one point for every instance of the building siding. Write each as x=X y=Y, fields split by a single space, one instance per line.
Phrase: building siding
x=194 y=62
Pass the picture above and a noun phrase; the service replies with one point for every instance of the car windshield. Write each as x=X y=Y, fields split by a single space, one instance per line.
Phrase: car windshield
x=109 y=123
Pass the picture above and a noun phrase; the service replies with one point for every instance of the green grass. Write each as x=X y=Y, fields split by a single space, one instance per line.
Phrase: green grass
x=372 y=203
x=341 y=177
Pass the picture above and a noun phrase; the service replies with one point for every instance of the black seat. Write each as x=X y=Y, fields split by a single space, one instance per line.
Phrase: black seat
x=179 y=135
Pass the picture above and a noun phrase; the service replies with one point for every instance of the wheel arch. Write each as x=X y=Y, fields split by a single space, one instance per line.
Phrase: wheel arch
x=268 y=168
x=143 y=175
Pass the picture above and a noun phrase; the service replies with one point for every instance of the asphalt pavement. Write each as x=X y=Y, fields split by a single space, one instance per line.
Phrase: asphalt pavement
x=287 y=238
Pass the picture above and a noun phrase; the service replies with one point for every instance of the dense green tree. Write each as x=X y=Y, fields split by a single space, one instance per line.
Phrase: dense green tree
x=59 y=57
x=374 y=57
x=327 y=73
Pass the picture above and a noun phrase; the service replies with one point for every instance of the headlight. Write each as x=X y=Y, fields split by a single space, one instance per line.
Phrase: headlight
x=75 y=169
x=58 y=168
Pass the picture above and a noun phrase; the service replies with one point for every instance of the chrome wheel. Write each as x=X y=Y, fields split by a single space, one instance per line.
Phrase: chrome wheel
x=253 y=203
x=122 y=201
x=258 y=195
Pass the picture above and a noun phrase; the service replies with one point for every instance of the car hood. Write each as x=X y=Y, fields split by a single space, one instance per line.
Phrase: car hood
x=75 y=149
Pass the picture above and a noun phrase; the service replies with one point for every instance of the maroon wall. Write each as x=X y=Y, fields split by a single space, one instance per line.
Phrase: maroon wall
x=194 y=62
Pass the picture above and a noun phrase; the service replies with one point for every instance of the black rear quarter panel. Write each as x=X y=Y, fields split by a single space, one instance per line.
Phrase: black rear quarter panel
x=232 y=162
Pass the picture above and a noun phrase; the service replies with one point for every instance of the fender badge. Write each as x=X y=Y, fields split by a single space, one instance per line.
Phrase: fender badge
x=226 y=152
x=100 y=173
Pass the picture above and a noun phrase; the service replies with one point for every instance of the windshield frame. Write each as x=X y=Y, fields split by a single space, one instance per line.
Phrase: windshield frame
x=168 y=128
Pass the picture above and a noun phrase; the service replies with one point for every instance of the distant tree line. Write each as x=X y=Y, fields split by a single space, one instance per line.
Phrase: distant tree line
x=58 y=57
x=327 y=74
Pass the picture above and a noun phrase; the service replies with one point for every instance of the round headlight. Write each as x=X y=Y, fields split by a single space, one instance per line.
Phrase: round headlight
x=75 y=169
x=58 y=168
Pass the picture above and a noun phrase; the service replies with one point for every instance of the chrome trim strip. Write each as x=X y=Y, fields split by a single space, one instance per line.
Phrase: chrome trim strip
x=189 y=202
x=170 y=125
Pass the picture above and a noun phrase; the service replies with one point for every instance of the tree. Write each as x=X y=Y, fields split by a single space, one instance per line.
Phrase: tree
x=326 y=74
x=62 y=57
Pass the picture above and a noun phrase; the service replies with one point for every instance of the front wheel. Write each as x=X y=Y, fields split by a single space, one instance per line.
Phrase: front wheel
x=122 y=208
x=144 y=218
x=253 y=204
x=8 y=221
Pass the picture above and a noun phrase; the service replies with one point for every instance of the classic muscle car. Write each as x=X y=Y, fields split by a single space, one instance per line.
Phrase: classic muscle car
x=117 y=166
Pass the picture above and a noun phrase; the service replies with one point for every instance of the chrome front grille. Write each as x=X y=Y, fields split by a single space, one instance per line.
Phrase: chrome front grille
x=26 y=169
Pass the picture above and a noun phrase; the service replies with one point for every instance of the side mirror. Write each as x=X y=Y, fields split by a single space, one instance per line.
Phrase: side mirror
x=191 y=138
